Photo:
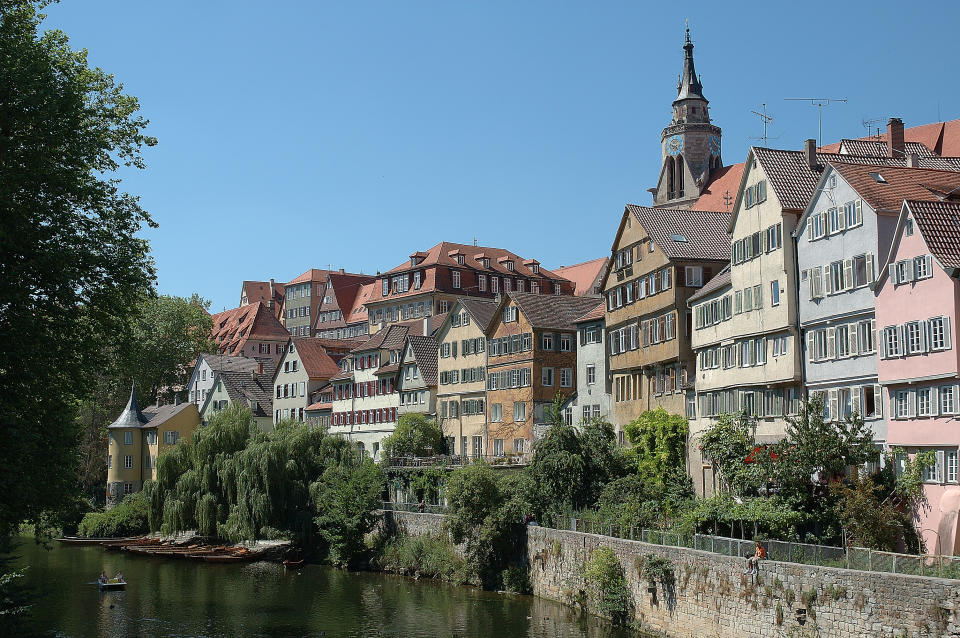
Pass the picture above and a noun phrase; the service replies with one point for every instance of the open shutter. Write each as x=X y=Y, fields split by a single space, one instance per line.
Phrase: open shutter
x=929 y=265
x=909 y=271
x=847 y=274
x=813 y=288
x=834 y=406
x=902 y=340
x=810 y=351
x=946 y=333
x=892 y=274
x=831 y=343
x=893 y=406
x=911 y=403
x=810 y=228
x=829 y=280
x=878 y=400
x=856 y=395
x=852 y=340
x=940 y=464
x=934 y=401
x=925 y=335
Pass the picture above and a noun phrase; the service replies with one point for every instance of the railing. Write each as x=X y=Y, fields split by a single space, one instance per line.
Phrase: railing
x=459 y=460
x=917 y=565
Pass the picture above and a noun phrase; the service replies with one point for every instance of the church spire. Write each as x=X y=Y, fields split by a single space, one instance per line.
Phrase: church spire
x=689 y=86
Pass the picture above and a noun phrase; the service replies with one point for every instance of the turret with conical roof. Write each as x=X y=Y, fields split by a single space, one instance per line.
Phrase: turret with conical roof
x=131 y=417
x=690 y=145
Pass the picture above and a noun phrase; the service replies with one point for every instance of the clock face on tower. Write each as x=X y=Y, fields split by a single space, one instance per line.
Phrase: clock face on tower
x=714 y=145
x=675 y=145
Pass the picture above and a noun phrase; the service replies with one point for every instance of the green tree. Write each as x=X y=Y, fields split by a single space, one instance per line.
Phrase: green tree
x=727 y=444
x=659 y=444
x=71 y=265
x=416 y=434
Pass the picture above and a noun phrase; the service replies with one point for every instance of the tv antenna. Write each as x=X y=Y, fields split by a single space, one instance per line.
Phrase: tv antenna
x=766 y=119
x=869 y=125
x=818 y=102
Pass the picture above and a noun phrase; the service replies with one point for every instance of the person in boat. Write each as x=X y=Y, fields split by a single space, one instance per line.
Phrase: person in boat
x=103 y=577
x=118 y=577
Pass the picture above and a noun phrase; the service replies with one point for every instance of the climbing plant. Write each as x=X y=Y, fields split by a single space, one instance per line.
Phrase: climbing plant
x=658 y=441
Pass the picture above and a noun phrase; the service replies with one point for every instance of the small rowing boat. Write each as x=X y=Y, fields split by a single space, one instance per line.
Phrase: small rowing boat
x=294 y=564
x=112 y=583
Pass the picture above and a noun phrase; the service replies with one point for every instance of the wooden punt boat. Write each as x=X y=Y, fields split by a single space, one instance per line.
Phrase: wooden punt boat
x=111 y=584
x=85 y=540
x=229 y=558
x=294 y=564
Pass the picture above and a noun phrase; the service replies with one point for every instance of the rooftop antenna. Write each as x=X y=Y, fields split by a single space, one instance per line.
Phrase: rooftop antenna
x=727 y=199
x=766 y=119
x=870 y=125
x=818 y=102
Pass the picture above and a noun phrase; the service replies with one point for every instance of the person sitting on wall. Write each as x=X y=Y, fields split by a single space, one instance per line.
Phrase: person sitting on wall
x=759 y=553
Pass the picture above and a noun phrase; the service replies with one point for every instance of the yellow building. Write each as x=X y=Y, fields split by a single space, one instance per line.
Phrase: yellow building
x=137 y=438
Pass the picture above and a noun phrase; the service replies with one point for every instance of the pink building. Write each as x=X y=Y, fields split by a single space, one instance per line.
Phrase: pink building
x=917 y=307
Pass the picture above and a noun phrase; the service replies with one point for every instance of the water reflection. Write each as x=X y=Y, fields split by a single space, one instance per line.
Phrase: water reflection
x=176 y=597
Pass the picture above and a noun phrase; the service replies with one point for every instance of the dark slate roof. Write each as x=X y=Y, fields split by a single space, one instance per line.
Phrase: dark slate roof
x=552 y=311
x=482 y=310
x=160 y=415
x=241 y=387
x=705 y=231
x=390 y=368
x=131 y=417
x=222 y=363
x=939 y=223
x=716 y=282
x=425 y=350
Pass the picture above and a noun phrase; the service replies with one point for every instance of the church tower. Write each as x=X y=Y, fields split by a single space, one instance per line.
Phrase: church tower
x=690 y=145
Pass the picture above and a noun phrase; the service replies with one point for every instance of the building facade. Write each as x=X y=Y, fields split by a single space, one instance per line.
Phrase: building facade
x=661 y=256
x=135 y=440
x=430 y=282
x=304 y=368
x=201 y=380
x=251 y=390
x=592 y=399
x=462 y=374
x=249 y=331
x=342 y=311
x=531 y=359
x=917 y=308
x=417 y=376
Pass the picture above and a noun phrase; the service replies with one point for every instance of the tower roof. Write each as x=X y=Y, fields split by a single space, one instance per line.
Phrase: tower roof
x=131 y=417
x=689 y=86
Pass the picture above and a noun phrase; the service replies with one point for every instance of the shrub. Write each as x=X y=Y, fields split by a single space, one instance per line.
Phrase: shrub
x=607 y=585
x=128 y=518
x=431 y=556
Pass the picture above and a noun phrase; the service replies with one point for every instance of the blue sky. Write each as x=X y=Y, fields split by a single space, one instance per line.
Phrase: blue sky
x=301 y=134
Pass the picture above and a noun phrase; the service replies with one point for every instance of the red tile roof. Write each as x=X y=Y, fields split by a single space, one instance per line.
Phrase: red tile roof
x=721 y=191
x=878 y=148
x=585 y=276
x=233 y=328
x=256 y=291
x=358 y=311
x=686 y=234
x=343 y=289
x=899 y=183
x=594 y=315
x=943 y=138
x=313 y=355
x=939 y=223
x=319 y=405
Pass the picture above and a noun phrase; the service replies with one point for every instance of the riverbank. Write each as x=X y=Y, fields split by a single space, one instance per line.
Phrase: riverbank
x=700 y=593
x=176 y=597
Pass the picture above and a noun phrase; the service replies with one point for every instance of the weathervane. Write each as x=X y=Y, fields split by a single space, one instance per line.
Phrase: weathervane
x=727 y=199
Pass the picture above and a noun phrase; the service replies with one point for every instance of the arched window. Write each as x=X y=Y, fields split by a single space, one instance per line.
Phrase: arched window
x=679 y=189
x=670 y=179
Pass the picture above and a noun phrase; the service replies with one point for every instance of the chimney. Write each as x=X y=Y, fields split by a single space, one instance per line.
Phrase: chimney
x=426 y=326
x=342 y=271
x=259 y=367
x=895 y=144
x=271 y=288
x=810 y=153
x=913 y=160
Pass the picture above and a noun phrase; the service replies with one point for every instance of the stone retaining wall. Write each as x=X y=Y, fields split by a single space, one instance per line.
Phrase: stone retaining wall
x=711 y=597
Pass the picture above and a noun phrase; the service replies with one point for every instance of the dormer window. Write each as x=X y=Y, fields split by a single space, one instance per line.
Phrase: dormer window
x=508 y=265
x=536 y=269
x=460 y=259
x=485 y=262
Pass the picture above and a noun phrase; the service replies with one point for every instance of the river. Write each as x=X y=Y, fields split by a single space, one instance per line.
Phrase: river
x=175 y=597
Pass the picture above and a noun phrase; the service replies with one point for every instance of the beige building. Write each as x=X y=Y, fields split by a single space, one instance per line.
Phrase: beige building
x=304 y=368
x=461 y=376
x=137 y=438
x=660 y=257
